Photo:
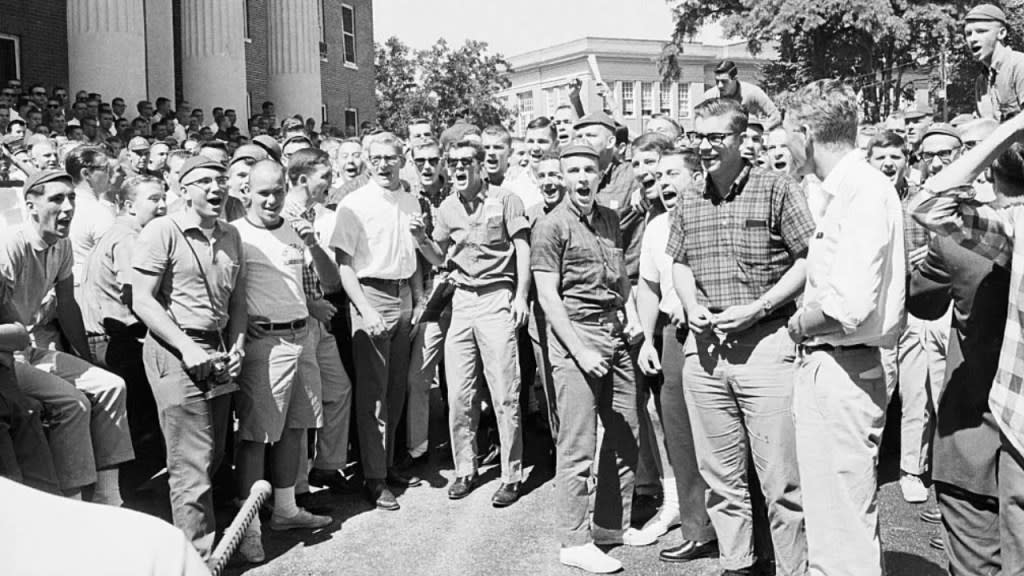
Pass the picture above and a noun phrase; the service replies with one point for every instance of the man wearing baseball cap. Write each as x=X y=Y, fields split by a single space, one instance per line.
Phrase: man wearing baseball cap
x=999 y=91
x=591 y=366
x=188 y=288
x=138 y=152
x=89 y=434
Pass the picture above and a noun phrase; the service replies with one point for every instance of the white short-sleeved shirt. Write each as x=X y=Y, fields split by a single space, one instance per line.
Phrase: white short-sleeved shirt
x=656 y=264
x=372 y=226
x=92 y=219
x=525 y=186
x=274 y=260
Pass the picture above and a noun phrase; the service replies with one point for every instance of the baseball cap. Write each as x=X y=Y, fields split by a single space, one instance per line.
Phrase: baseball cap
x=138 y=144
x=197 y=162
x=268 y=143
x=297 y=138
x=44 y=176
x=598 y=117
x=249 y=152
x=918 y=112
x=960 y=120
x=985 y=13
x=578 y=150
x=940 y=129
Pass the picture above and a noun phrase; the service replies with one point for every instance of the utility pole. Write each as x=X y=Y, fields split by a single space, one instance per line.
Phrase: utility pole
x=944 y=80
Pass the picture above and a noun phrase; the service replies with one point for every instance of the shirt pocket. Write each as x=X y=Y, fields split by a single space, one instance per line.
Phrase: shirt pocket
x=752 y=250
x=582 y=265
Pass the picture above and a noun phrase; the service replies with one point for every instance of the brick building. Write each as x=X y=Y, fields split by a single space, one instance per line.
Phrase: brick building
x=310 y=57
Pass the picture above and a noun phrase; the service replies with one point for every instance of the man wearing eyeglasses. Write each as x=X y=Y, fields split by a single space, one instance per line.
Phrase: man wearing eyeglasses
x=739 y=245
x=377 y=256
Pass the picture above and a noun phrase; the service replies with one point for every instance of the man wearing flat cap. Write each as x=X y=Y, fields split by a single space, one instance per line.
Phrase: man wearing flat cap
x=577 y=263
x=188 y=288
x=1000 y=89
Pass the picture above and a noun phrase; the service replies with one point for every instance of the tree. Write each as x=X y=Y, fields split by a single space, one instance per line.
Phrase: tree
x=871 y=43
x=440 y=83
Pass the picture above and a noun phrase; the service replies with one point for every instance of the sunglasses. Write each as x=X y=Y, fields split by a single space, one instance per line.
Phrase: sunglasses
x=434 y=161
x=464 y=162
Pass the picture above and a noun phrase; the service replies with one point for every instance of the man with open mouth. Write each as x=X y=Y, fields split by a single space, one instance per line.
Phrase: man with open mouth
x=541 y=138
x=998 y=91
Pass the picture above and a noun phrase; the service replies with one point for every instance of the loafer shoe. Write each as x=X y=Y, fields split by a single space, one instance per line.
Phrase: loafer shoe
x=506 y=495
x=251 y=548
x=400 y=481
x=377 y=492
x=689 y=550
x=589 y=558
x=462 y=486
x=303 y=520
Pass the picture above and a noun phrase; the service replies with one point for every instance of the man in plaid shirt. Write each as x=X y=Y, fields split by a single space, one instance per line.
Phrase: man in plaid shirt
x=990 y=230
x=739 y=246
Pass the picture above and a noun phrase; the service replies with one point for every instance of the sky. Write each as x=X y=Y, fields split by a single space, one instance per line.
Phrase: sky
x=512 y=27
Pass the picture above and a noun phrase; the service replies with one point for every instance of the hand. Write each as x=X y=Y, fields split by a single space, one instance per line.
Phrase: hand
x=417 y=313
x=418 y=228
x=198 y=362
x=678 y=318
x=636 y=199
x=253 y=330
x=700 y=321
x=575 y=85
x=592 y=363
x=633 y=332
x=648 y=360
x=322 y=310
x=305 y=231
x=520 y=311
x=738 y=318
x=374 y=323
x=796 y=334
x=235 y=357
x=602 y=89
x=916 y=256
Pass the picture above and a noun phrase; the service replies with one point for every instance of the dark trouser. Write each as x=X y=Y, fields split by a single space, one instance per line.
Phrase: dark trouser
x=538 y=329
x=382 y=366
x=194 y=430
x=581 y=400
x=691 y=487
x=649 y=464
x=124 y=358
x=24 y=453
x=971 y=523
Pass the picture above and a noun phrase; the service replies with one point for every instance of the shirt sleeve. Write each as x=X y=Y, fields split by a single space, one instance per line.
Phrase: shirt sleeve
x=796 y=223
x=442 y=230
x=346 y=229
x=547 y=245
x=976 y=227
x=152 y=249
x=515 y=215
x=674 y=247
x=648 y=263
x=122 y=255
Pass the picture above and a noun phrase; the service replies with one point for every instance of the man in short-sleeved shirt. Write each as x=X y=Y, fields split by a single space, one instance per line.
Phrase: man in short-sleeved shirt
x=750 y=96
x=999 y=92
x=481 y=230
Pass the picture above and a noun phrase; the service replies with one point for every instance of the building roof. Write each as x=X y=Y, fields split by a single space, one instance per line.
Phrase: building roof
x=633 y=48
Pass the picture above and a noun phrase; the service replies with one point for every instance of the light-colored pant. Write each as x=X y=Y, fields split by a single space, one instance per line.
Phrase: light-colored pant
x=427 y=350
x=88 y=407
x=1011 y=510
x=739 y=394
x=332 y=438
x=483 y=334
x=839 y=410
x=918 y=364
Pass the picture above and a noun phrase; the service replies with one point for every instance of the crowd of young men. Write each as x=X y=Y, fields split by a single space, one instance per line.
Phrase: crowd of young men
x=718 y=317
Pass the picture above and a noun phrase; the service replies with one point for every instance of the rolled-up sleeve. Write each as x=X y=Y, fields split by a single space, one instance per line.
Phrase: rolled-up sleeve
x=977 y=227
x=546 y=246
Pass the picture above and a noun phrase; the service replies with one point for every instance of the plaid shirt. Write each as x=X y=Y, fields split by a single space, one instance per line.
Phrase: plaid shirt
x=990 y=233
x=739 y=246
x=310 y=279
x=914 y=235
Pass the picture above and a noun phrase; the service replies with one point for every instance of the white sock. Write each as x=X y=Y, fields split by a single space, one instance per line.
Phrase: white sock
x=74 y=495
x=284 y=502
x=254 y=526
x=417 y=451
x=108 y=489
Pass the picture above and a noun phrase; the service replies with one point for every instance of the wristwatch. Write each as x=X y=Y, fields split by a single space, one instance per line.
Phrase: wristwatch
x=766 y=305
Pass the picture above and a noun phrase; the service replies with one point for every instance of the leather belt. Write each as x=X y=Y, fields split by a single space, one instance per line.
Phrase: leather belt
x=385 y=282
x=831 y=348
x=204 y=335
x=276 y=326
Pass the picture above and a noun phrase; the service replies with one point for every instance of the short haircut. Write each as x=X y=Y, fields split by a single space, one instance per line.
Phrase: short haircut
x=726 y=67
x=178 y=154
x=542 y=122
x=690 y=158
x=304 y=162
x=669 y=119
x=549 y=155
x=652 y=142
x=130 y=188
x=388 y=139
x=500 y=131
x=116 y=100
x=716 y=107
x=829 y=109
x=416 y=121
x=886 y=139
x=1008 y=171
x=162 y=100
x=565 y=107
x=478 y=150
x=84 y=157
x=427 y=144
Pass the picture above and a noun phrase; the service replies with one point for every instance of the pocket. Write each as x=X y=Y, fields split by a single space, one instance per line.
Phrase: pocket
x=494 y=230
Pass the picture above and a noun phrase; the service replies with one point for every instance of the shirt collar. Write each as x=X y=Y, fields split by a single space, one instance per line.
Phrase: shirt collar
x=734 y=189
x=188 y=220
x=35 y=240
x=999 y=56
x=831 y=183
x=481 y=194
x=130 y=222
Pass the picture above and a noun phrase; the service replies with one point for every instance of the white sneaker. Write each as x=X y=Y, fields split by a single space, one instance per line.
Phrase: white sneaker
x=304 y=519
x=913 y=489
x=665 y=520
x=251 y=548
x=589 y=558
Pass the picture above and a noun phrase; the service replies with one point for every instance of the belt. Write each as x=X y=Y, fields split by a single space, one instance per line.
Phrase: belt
x=385 y=282
x=831 y=348
x=205 y=335
x=275 y=326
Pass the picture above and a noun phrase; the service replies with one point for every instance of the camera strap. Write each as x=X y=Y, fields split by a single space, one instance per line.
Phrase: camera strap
x=202 y=276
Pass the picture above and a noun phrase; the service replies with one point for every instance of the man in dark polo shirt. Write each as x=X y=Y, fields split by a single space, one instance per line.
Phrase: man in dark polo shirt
x=188 y=288
x=999 y=91
x=482 y=231
x=582 y=286
x=739 y=246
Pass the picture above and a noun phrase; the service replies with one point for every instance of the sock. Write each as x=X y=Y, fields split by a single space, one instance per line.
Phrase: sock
x=284 y=502
x=74 y=495
x=254 y=526
x=419 y=450
x=108 y=489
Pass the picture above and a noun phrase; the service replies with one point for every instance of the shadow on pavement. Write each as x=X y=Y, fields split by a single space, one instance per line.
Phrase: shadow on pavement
x=906 y=564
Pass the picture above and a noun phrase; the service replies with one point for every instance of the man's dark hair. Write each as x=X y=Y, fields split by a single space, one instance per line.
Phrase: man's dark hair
x=83 y=157
x=267 y=104
x=886 y=139
x=162 y=100
x=652 y=142
x=478 y=150
x=500 y=131
x=726 y=67
x=542 y=122
x=690 y=158
x=715 y=107
x=1008 y=171
x=303 y=162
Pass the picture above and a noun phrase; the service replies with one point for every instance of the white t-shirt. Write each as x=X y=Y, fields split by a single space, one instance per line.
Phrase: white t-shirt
x=656 y=264
x=273 y=281
x=527 y=188
x=92 y=219
x=372 y=226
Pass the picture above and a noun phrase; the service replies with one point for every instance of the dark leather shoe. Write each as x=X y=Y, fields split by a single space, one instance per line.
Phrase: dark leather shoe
x=931 y=516
x=689 y=550
x=332 y=480
x=506 y=495
x=462 y=486
x=399 y=481
x=377 y=492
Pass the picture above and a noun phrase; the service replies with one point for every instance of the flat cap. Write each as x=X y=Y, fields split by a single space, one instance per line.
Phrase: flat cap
x=918 y=112
x=578 y=150
x=598 y=117
x=960 y=120
x=268 y=143
x=940 y=129
x=986 y=13
x=297 y=138
x=249 y=152
x=138 y=144
x=44 y=176
x=197 y=162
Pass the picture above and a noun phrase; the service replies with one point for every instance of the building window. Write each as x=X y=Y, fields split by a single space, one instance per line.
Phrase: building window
x=525 y=106
x=323 y=115
x=628 y=101
x=551 y=96
x=351 y=122
x=684 y=100
x=245 y=20
x=323 y=29
x=646 y=99
x=248 y=105
x=348 y=33
x=666 y=98
x=10 y=58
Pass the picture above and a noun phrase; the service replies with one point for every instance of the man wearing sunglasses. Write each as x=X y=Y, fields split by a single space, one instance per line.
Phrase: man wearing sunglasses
x=739 y=247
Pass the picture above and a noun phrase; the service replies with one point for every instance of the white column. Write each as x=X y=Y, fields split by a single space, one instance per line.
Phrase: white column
x=107 y=49
x=213 y=54
x=293 y=58
x=160 y=49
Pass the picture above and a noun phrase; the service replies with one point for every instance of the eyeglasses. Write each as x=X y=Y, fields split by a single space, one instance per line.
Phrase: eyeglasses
x=389 y=159
x=713 y=138
x=433 y=161
x=944 y=156
x=464 y=162
x=53 y=105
